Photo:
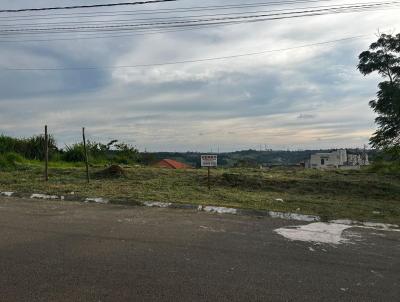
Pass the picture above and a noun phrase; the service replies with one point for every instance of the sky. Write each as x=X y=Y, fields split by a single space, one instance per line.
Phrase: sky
x=305 y=98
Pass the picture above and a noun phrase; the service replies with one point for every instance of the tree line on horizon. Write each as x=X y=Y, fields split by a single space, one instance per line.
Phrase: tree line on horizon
x=120 y=153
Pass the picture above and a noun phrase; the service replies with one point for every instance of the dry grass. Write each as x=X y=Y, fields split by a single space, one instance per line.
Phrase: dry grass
x=330 y=194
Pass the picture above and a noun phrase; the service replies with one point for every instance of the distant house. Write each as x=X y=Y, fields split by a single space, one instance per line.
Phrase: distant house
x=333 y=159
x=171 y=164
x=357 y=160
x=336 y=159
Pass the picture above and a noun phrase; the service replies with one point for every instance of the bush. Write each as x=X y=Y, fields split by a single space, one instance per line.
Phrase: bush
x=8 y=144
x=125 y=154
x=74 y=153
x=246 y=163
x=10 y=160
x=4 y=164
x=147 y=159
x=386 y=167
x=13 y=157
x=34 y=147
x=112 y=153
x=31 y=148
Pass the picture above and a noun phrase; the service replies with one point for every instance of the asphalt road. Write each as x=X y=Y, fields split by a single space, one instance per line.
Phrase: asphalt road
x=65 y=251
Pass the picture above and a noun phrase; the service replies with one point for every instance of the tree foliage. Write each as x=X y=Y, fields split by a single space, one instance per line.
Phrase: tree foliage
x=383 y=57
x=112 y=152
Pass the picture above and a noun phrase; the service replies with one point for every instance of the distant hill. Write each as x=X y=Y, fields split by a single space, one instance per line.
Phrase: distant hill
x=248 y=157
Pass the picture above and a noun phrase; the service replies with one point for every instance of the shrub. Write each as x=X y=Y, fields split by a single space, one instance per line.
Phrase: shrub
x=8 y=144
x=387 y=167
x=125 y=154
x=147 y=159
x=246 y=163
x=4 y=164
x=31 y=148
x=13 y=157
x=34 y=147
x=74 y=153
x=10 y=160
x=113 y=153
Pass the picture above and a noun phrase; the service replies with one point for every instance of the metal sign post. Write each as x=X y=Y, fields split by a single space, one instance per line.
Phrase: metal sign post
x=209 y=161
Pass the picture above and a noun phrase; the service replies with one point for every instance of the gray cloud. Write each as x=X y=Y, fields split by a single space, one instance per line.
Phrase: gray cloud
x=310 y=97
x=306 y=116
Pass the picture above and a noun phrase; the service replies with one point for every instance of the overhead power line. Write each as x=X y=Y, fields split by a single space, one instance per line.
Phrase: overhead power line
x=188 y=17
x=139 y=32
x=186 y=61
x=92 y=36
x=82 y=6
x=167 y=24
x=159 y=11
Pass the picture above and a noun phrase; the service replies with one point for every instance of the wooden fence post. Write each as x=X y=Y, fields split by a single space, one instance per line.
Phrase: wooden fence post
x=86 y=155
x=46 y=154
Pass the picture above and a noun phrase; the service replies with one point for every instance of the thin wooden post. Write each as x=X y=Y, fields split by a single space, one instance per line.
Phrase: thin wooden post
x=86 y=155
x=46 y=154
x=208 y=179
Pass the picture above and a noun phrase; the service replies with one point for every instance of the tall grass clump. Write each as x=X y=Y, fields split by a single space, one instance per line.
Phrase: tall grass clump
x=30 y=148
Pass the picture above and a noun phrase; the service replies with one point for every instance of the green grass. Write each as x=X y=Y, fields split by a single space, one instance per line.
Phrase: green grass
x=360 y=195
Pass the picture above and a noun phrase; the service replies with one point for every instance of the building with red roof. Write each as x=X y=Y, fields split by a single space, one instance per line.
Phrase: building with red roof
x=171 y=164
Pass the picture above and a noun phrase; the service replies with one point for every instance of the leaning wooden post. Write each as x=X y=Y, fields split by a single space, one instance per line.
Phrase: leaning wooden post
x=86 y=155
x=46 y=154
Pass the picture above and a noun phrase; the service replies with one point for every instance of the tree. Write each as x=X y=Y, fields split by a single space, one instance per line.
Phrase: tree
x=383 y=57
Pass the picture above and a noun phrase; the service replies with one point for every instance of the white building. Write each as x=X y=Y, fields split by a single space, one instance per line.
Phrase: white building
x=333 y=159
x=336 y=159
x=357 y=160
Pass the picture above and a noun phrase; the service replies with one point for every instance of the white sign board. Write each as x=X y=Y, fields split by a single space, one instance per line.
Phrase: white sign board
x=209 y=160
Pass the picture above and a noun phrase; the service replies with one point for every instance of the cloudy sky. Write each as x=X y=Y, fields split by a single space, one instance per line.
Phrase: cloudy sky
x=309 y=97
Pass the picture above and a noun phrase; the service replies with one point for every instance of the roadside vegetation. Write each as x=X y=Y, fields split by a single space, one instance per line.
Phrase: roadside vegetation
x=371 y=194
x=360 y=195
x=26 y=151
